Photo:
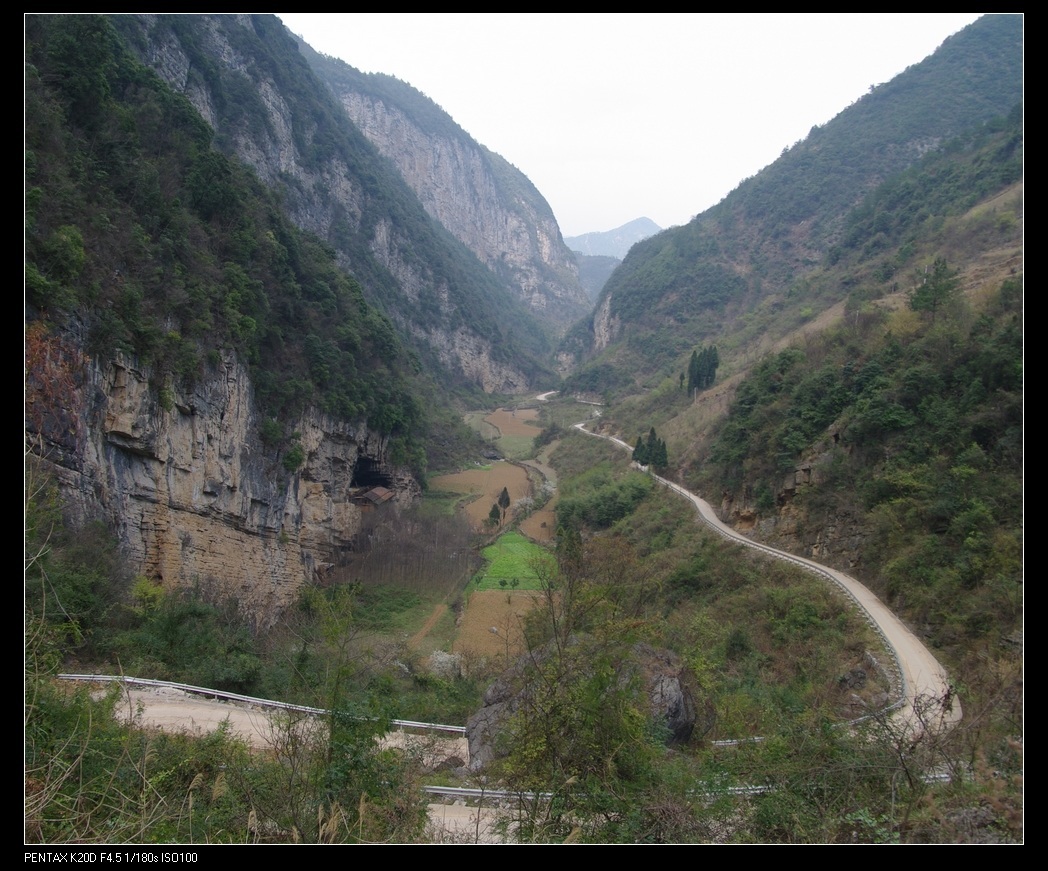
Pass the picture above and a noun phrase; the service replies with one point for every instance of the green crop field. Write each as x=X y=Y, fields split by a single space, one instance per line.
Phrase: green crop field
x=511 y=557
x=517 y=447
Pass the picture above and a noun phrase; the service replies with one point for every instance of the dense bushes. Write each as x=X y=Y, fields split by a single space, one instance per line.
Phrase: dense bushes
x=166 y=249
x=924 y=430
x=598 y=501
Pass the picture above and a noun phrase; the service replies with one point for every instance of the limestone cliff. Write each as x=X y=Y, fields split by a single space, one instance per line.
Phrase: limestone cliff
x=196 y=497
x=245 y=76
x=455 y=181
x=806 y=520
x=485 y=202
x=606 y=326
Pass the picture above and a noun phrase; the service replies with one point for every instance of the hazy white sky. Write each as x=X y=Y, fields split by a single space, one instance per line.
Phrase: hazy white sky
x=615 y=117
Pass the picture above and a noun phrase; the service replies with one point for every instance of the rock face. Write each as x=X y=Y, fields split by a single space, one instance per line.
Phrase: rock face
x=673 y=692
x=288 y=128
x=606 y=327
x=670 y=689
x=194 y=495
x=486 y=203
x=832 y=532
x=474 y=357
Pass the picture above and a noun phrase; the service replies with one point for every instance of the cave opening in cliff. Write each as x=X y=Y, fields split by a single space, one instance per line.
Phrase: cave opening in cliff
x=368 y=472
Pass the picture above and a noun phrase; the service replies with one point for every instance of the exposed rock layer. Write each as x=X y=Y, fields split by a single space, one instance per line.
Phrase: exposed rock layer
x=325 y=195
x=456 y=181
x=829 y=530
x=195 y=496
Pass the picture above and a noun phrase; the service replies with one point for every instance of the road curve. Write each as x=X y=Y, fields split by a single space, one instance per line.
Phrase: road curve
x=927 y=699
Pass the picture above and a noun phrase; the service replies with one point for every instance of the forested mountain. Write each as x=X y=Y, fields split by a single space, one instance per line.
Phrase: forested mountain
x=753 y=250
x=485 y=202
x=857 y=386
x=897 y=431
x=246 y=332
x=156 y=244
x=865 y=295
x=251 y=84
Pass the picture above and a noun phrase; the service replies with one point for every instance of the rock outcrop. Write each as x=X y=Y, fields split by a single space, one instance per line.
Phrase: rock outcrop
x=671 y=693
x=606 y=327
x=827 y=531
x=196 y=497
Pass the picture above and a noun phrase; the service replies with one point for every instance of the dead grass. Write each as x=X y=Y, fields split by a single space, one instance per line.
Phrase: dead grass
x=522 y=422
x=485 y=485
x=491 y=625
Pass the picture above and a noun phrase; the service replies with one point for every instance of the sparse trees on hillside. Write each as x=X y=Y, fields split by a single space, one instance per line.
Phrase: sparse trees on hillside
x=702 y=369
x=937 y=286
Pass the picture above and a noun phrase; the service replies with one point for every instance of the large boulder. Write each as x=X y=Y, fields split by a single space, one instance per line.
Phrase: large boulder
x=671 y=694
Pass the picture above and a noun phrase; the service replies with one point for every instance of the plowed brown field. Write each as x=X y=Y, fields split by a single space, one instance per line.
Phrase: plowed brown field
x=515 y=423
x=491 y=626
x=541 y=525
x=486 y=484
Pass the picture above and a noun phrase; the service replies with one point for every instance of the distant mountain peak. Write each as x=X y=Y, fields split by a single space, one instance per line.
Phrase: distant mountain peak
x=614 y=243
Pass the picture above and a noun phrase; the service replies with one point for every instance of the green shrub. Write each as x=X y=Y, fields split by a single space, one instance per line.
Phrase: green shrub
x=294 y=458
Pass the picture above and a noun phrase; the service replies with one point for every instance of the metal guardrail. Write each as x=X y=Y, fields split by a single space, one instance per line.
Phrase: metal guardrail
x=481 y=794
x=507 y=795
x=251 y=700
x=897 y=679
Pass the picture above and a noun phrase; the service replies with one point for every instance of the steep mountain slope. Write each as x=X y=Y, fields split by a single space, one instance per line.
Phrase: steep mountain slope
x=247 y=78
x=868 y=411
x=892 y=441
x=485 y=202
x=692 y=283
x=594 y=272
x=200 y=373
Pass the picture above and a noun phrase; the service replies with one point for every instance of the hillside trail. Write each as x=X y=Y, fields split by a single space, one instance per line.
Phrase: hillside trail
x=928 y=700
x=416 y=640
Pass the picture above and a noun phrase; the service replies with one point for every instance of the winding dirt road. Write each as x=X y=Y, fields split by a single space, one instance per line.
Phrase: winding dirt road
x=928 y=701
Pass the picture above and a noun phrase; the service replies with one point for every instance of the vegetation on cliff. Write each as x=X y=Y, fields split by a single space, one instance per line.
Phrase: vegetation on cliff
x=902 y=414
x=142 y=238
x=886 y=431
x=332 y=181
x=912 y=427
x=489 y=204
